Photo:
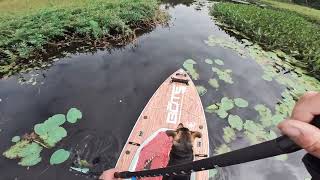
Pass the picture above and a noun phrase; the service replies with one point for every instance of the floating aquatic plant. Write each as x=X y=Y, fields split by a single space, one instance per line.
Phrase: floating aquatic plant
x=15 y=139
x=59 y=156
x=241 y=102
x=224 y=75
x=28 y=153
x=201 y=90
x=228 y=134
x=219 y=62
x=254 y=131
x=189 y=66
x=235 y=122
x=212 y=108
x=223 y=148
x=50 y=131
x=208 y=61
x=74 y=115
x=213 y=83
x=265 y=115
x=213 y=173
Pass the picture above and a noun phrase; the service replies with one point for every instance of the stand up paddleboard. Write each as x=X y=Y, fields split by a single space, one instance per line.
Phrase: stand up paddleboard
x=148 y=147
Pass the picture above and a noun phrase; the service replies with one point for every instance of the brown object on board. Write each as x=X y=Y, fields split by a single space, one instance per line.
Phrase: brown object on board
x=176 y=101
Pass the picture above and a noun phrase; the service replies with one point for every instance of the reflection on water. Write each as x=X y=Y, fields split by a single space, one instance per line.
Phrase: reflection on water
x=112 y=87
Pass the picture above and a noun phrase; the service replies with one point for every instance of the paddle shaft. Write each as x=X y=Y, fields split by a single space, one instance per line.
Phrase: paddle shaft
x=275 y=147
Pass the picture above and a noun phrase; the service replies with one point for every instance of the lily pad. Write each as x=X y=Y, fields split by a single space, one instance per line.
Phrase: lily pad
x=241 y=102
x=212 y=108
x=201 y=90
x=28 y=153
x=224 y=75
x=208 y=61
x=223 y=148
x=222 y=113
x=189 y=66
x=59 y=156
x=228 y=134
x=226 y=104
x=213 y=83
x=235 y=122
x=219 y=62
x=74 y=115
x=265 y=115
x=15 y=139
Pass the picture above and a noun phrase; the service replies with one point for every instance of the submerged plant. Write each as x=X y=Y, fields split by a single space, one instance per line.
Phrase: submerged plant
x=223 y=148
x=228 y=134
x=219 y=62
x=189 y=66
x=208 y=61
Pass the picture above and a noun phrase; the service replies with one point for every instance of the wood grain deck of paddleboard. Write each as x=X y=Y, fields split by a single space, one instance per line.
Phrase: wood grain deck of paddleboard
x=171 y=104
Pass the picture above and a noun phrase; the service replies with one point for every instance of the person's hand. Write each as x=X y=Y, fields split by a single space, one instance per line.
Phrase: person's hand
x=298 y=128
x=108 y=175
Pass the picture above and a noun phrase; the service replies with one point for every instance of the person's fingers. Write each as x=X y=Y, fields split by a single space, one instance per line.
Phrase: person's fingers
x=307 y=107
x=303 y=134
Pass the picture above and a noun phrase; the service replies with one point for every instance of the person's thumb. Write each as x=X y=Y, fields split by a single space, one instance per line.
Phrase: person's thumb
x=303 y=134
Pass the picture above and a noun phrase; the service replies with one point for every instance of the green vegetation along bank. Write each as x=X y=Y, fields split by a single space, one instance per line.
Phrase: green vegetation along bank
x=29 y=33
x=312 y=14
x=275 y=29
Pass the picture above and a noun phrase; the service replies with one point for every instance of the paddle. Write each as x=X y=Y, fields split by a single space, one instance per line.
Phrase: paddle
x=275 y=147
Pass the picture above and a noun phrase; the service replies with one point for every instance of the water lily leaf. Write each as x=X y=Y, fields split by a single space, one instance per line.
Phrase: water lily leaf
x=222 y=113
x=214 y=83
x=213 y=173
x=254 y=132
x=267 y=77
x=15 y=139
x=28 y=152
x=208 y=61
x=228 y=134
x=219 y=62
x=212 y=108
x=235 y=122
x=40 y=129
x=226 y=104
x=201 y=90
x=224 y=75
x=277 y=118
x=56 y=120
x=189 y=66
x=272 y=135
x=265 y=115
x=30 y=160
x=223 y=148
x=282 y=157
x=74 y=115
x=241 y=102
x=59 y=156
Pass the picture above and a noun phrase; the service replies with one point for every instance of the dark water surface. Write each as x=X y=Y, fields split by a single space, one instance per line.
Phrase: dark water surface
x=111 y=89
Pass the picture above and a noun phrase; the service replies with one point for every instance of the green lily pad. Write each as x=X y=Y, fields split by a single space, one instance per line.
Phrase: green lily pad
x=201 y=90
x=189 y=66
x=226 y=104
x=241 y=102
x=74 y=115
x=212 y=108
x=15 y=139
x=219 y=62
x=27 y=152
x=208 y=61
x=265 y=115
x=228 y=134
x=282 y=157
x=224 y=75
x=59 y=156
x=56 y=120
x=213 y=83
x=222 y=113
x=223 y=148
x=277 y=118
x=235 y=122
